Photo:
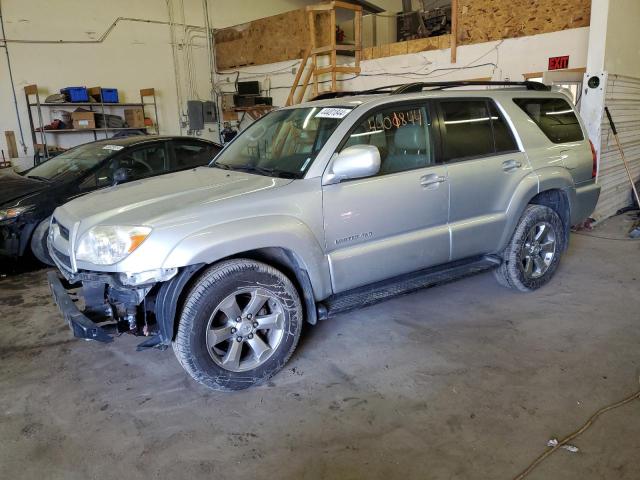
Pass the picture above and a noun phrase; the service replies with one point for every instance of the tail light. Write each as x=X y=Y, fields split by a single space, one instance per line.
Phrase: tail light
x=594 y=155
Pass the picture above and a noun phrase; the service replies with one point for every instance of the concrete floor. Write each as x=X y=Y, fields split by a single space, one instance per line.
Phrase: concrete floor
x=464 y=381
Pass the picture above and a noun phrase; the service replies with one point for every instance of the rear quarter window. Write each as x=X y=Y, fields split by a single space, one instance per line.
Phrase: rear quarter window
x=554 y=116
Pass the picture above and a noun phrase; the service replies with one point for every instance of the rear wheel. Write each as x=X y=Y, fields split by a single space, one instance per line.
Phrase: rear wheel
x=39 y=242
x=240 y=324
x=533 y=254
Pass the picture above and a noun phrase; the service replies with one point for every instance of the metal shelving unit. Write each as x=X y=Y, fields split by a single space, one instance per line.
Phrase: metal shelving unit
x=147 y=100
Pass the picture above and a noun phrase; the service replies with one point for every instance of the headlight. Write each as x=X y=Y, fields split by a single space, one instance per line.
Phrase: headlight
x=106 y=245
x=9 y=213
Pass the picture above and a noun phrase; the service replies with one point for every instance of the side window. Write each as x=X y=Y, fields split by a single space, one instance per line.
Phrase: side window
x=467 y=129
x=501 y=132
x=140 y=163
x=103 y=177
x=402 y=135
x=554 y=116
x=192 y=154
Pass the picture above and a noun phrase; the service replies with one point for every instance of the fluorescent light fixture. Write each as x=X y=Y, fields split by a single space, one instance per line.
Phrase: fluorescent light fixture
x=306 y=120
x=471 y=120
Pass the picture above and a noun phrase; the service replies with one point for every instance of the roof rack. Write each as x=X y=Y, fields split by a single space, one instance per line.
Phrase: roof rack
x=419 y=86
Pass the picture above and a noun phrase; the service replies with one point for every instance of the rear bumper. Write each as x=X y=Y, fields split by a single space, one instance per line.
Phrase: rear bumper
x=81 y=326
x=586 y=200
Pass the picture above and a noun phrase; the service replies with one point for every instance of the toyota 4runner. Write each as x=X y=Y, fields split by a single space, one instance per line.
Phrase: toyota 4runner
x=322 y=207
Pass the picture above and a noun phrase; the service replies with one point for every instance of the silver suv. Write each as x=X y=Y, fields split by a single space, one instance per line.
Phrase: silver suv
x=323 y=207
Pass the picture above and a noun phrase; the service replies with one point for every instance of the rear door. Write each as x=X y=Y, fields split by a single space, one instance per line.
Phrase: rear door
x=485 y=166
x=394 y=222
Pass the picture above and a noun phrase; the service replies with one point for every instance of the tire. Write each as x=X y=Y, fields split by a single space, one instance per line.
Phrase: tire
x=39 y=243
x=271 y=315
x=532 y=256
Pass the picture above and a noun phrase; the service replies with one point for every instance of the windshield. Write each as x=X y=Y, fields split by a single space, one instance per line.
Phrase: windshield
x=283 y=143
x=73 y=162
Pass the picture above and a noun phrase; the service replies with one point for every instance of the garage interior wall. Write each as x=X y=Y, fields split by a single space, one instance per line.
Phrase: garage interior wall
x=621 y=63
x=134 y=55
x=507 y=59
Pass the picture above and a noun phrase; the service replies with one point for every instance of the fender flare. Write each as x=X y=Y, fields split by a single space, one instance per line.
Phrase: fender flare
x=214 y=243
x=544 y=179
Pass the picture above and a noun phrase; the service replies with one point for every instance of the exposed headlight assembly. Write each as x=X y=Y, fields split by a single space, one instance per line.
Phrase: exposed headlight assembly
x=106 y=245
x=9 y=213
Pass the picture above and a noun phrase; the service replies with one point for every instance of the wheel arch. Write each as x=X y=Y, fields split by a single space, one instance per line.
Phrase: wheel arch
x=171 y=295
x=552 y=187
x=557 y=199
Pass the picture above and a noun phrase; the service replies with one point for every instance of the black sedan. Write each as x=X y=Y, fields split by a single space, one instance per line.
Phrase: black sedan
x=27 y=200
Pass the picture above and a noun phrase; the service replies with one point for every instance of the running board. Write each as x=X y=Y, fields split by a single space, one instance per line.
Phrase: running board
x=380 y=291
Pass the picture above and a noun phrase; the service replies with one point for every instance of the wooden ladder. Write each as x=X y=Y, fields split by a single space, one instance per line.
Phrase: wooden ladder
x=316 y=68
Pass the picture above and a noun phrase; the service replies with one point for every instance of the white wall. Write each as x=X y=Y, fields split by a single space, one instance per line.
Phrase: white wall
x=134 y=55
x=622 y=54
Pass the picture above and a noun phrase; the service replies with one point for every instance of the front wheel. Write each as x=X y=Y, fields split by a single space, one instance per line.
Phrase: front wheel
x=533 y=254
x=39 y=242
x=240 y=323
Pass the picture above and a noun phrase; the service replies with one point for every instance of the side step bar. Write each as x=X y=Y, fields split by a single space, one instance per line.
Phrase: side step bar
x=380 y=291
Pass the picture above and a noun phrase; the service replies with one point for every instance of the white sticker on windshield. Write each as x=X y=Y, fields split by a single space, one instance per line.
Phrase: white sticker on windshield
x=333 y=113
x=113 y=147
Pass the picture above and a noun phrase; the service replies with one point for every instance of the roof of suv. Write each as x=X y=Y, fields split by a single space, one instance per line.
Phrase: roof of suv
x=427 y=89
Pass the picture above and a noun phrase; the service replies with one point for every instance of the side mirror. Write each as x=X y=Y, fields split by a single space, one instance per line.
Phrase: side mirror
x=121 y=175
x=357 y=161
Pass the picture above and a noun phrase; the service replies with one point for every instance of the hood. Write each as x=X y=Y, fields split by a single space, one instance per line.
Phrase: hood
x=146 y=202
x=13 y=187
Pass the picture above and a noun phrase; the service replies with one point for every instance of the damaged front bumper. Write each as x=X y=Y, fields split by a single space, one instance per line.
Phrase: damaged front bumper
x=79 y=323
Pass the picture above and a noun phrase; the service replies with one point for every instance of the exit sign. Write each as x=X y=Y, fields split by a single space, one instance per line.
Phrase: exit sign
x=558 y=63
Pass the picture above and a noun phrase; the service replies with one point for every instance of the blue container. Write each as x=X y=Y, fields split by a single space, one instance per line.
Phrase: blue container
x=75 y=94
x=109 y=95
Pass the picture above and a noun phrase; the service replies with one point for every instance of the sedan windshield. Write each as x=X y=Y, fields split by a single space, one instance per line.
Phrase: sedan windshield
x=284 y=143
x=73 y=162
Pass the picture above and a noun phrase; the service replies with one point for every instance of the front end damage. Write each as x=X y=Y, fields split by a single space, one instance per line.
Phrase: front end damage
x=99 y=306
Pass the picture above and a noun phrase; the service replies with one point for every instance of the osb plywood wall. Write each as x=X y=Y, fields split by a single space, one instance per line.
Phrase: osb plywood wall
x=286 y=36
x=486 y=20
x=410 y=46
x=268 y=40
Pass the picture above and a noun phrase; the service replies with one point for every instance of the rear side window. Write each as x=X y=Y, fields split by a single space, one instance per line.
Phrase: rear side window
x=554 y=116
x=474 y=128
x=501 y=132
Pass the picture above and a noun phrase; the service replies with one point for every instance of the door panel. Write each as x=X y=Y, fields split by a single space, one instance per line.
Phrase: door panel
x=385 y=226
x=485 y=168
x=481 y=191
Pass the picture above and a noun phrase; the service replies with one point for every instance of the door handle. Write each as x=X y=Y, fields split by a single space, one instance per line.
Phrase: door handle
x=511 y=165
x=432 y=180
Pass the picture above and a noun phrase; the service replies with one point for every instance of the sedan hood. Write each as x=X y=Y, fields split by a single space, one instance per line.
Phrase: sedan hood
x=13 y=187
x=147 y=202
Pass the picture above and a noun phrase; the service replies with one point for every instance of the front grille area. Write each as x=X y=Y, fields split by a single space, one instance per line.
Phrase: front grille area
x=62 y=258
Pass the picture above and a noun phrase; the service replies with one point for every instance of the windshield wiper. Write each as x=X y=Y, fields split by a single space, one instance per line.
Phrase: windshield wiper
x=269 y=172
x=42 y=179
x=222 y=166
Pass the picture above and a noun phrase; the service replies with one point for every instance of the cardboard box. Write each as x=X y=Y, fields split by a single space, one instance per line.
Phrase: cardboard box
x=134 y=117
x=83 y=120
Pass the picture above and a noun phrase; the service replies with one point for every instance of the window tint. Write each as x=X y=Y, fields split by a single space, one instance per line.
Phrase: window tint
x=193 y=154
x=467 y=129
x=141 y=163
x=554 y=116
x=501 y=132
x=402 y=135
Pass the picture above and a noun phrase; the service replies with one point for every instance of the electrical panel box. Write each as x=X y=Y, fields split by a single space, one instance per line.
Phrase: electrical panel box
x=195 y=113
x=210 y=112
